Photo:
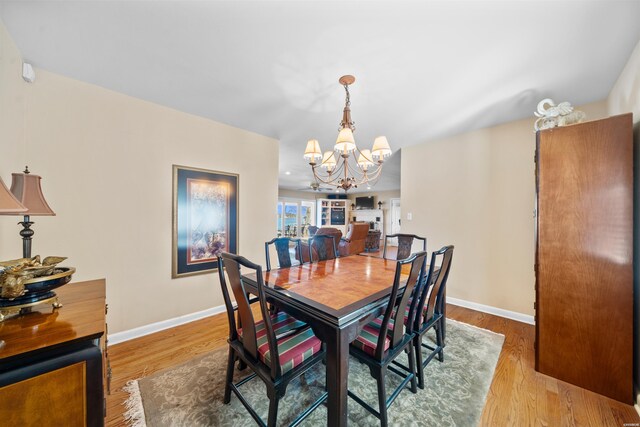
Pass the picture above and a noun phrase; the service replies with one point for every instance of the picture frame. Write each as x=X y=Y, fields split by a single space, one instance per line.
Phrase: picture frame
x=205 y=219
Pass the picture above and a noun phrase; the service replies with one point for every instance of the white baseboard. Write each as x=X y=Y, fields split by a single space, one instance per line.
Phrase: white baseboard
x=141 y=331
x=513 y=315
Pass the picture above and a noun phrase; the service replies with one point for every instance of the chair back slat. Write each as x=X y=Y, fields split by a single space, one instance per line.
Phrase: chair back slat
x=396 y=309
x=432 y=298
x=232 y=265
x=284 y=247
x=325 y=247
x=405 y=244
x=233 y=332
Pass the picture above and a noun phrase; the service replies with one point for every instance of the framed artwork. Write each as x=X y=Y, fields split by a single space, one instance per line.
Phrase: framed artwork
x=205 y=219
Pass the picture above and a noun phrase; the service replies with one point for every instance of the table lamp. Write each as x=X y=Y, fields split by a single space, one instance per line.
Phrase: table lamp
x=26 y=191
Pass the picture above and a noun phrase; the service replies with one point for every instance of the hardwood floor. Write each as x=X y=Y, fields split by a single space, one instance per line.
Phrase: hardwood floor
x=518 y=396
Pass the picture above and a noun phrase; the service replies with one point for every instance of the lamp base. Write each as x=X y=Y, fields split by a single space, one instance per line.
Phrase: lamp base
x=26 y=233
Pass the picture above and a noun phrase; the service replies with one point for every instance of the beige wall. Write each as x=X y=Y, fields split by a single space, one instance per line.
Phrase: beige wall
x=106 y=161
x=299 y=195
x=11 y=109
x=476 y=191
x=625 y=94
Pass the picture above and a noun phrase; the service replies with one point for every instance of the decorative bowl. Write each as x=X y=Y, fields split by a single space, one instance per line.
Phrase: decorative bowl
x=40 y=288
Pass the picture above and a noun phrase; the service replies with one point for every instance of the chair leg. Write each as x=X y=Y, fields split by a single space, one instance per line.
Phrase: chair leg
x=273 y=409
x=440 y=342
x=382 y=398
x=412 y=368
x=241 y=365
x=227 y=386
x=418 y=349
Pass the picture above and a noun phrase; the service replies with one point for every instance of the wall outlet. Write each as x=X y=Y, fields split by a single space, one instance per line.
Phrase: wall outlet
x=409 y=216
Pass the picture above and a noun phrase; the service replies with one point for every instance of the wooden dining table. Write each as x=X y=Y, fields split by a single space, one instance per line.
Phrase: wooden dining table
x=337 y=298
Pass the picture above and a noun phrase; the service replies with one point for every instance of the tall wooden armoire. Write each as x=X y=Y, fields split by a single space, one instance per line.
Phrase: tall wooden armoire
x=584 y=255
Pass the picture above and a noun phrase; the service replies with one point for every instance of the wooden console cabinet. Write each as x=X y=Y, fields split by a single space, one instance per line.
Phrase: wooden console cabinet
x=52 y=361
x=584 y=255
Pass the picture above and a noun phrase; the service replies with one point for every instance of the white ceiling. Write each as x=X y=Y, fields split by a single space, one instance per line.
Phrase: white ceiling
x=424 y=70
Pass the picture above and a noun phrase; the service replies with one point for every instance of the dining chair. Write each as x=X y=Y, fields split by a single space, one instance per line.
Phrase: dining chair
x=278 y=348
x=431 y=311
x=405 y=243
x=381 y=341
x=289 y=251
x=313 y=230
x=324 y=246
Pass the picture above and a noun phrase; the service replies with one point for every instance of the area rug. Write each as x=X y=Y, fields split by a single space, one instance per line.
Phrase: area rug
x=191 y=394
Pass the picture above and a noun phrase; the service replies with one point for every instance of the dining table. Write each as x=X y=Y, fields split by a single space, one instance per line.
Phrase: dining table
x=336 y=298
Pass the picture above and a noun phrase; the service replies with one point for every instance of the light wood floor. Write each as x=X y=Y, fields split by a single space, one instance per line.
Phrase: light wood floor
x=518 y=396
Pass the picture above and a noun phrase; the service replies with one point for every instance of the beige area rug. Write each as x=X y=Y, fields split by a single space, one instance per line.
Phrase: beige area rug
x=191 y=394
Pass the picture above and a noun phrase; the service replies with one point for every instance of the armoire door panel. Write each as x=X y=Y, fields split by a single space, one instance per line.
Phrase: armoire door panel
x=584 y=255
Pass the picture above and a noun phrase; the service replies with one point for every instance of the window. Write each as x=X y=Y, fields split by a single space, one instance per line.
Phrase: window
x=307 y=217
x=279 y=224
x=295 y=217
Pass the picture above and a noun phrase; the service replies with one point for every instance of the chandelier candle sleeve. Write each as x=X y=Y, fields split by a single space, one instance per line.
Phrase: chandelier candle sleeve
x=351 y=166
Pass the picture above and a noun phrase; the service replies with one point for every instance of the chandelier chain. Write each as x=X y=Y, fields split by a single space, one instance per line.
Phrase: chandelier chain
x=347 y=101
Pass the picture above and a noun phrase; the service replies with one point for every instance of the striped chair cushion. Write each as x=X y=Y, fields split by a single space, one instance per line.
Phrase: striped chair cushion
x=292 y=349
x=368 y=338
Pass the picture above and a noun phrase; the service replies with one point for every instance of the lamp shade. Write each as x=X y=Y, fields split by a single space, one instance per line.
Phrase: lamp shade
x=9 y=205
x=345 y=141
x=26 y=188
x=313 y=150
x=381 y=147
x=365 y=159
x=329 y=160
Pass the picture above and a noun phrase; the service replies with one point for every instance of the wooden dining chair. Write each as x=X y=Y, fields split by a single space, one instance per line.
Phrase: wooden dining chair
x=289 y=251
x=324 y=246
x=405 y=243
x=431 y=313
x=381 y=341
x=278 y=348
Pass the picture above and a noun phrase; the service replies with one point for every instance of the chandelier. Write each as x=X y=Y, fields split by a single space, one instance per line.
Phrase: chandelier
x=353 y=167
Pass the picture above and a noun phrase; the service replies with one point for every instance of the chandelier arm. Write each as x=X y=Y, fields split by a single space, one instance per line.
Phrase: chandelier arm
x=370 y=176
x=325 y=177
x=330 y=178
x=370 y=180
x=338 y=169
x=327 y=182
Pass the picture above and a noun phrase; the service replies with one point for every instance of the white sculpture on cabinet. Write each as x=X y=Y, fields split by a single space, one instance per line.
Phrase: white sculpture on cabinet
x=551 y=115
